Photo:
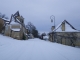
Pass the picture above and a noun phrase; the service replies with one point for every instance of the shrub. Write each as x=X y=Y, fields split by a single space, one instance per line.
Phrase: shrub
x=24 y=37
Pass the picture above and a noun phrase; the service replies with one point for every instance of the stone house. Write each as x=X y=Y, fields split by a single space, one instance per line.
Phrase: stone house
x=65 y=34
x=3 y=21
x=16 y=27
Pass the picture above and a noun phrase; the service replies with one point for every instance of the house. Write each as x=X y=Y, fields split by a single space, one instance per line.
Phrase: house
x=3 y=22
x=65 y=34
x=16 y=27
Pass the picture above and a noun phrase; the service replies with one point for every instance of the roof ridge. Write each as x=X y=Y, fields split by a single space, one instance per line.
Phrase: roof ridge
x=65 y=21
x=69 y=24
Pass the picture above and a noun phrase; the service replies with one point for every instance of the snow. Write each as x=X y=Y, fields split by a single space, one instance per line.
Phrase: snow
x=46 y=32
x=7 y=22
x=35 y=49
x=6 y=19
x=68 y=28
x=13 y=22
x=46 y=37
x=15 y=29
x=58 y=27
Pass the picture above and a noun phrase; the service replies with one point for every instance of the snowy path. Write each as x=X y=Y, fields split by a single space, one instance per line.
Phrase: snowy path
x=36 y=49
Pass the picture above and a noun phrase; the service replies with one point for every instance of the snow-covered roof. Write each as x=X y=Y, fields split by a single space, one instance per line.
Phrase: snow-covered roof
x=68 y=27
x=6 y=19
x=20 y=17
x=7 y=22
x=18 y=20
x=15 y=29
x=13 y=22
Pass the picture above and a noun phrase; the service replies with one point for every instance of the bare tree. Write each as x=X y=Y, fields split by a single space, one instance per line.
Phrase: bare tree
x=3 y=16
x=30 y=26
x=32 y=29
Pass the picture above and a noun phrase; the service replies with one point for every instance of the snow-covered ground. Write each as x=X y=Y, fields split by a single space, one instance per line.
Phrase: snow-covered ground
x=35 y=49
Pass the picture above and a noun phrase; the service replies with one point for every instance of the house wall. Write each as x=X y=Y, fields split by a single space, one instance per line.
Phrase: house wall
x=15 y=35
x=26 y=32
x=68 y=38
x=7 y=30
x=21 y=33
x=1 y=24
x=15 y=25
x=51 y=37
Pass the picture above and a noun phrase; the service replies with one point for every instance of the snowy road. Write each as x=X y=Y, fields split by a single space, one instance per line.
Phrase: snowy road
x=35 y=49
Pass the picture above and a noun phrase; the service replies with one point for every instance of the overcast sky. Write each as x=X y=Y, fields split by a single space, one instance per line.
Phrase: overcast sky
x=39 y=11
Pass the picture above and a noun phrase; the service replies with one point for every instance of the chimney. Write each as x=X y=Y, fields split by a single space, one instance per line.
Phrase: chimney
x=52 y=28
x=63 y=26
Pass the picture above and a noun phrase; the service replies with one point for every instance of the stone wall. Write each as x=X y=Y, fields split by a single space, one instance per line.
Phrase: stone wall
x=1 y=24
x=7 y=30
x=15 y=25
x=15 y=35
x=67 y=38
